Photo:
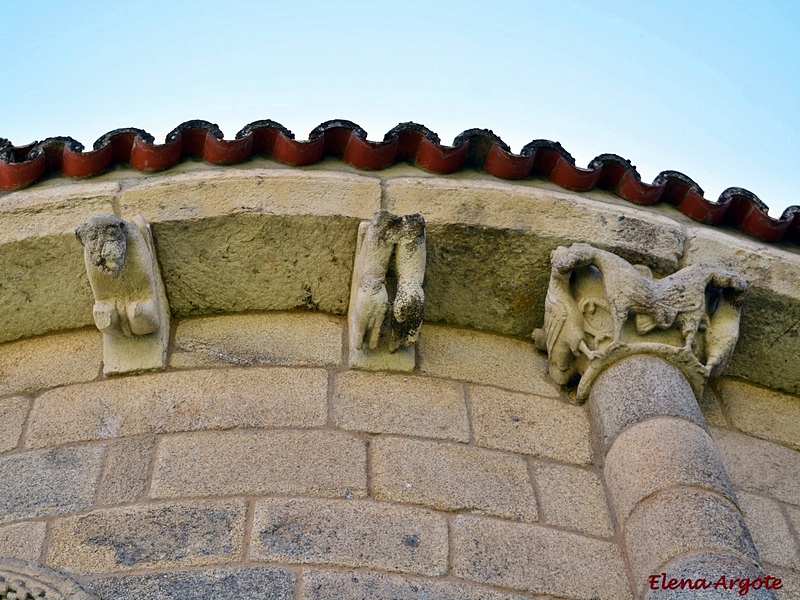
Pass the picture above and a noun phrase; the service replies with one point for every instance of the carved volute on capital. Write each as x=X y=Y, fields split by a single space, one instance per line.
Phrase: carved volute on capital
x=600 y=309
x=377 y=342
x=130 y=305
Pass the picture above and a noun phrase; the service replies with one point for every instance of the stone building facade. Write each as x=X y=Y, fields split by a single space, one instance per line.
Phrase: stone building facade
x=263 y=460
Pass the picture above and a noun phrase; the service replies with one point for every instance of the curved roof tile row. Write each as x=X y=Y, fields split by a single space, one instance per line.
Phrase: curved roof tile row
x=407 y=142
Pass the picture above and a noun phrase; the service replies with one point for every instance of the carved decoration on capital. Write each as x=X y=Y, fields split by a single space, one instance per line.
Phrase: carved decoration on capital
x=377 y=342
x=130 y=305
x=24 y=580
x=600 y=309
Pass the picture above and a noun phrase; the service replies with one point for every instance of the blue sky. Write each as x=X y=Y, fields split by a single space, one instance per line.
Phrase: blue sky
x=708 y=88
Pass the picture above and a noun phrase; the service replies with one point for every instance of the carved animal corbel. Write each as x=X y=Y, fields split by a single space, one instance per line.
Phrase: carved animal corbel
x=130 y=305
x=600 y=308
x=375 y=342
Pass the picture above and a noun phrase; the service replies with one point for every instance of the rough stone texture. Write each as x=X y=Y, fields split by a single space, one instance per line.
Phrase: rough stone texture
x=679 y=521
x=483 y=358
x=359 y=585
x=52 y=360
x=12 y=416
x=180 y=401
x=790 y=582
x=452 y=477
x=243 y=583
x=43 y=286
x=152 y=536
x=637 y=388
x=349 y=533
x=710 y=566
x=659 y=454
x=769 y=530
x=794 y=519
x=761 y=412
x=49 y=482
x=254 y=261
x=125 y=474
x=712 y=409
x=769 y=335
x=383 y=403
x=538 y=559
x=530 y=425
x=278 y=191
x=23 y=540
x=501 y=234
x=320 y=463
x=759 y=466
x=573 y=498
x=299 y=339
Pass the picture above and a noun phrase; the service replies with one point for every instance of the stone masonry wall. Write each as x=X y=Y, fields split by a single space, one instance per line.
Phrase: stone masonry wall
x=258 y=462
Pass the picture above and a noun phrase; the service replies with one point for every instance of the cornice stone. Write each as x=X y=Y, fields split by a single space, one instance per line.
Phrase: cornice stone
x=600 y=309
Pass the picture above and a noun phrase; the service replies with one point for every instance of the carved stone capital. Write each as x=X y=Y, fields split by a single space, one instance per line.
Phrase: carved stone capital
x=28 y=581
x=600 y=309
x=375 y=341
x=130 y=305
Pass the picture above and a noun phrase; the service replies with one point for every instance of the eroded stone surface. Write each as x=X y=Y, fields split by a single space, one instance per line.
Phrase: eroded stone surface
x=538 y=559
x=358 y=585
x=402 y=404
x=180 y=401
x=659 y=454
x=769 y=530
x=573 y=498
x=251 y=583
x=23 y=540
x=530 y=425
x=452 y=477
x=349 y=533
x=759 y=466
x=483 y=358
x=152 y=536
x=12 y=416
x=45 y=362
x=761 y=412
x=298 y=339
x=683 y=520
x=49 y=482
x=43 y=283
x=127 y=468
x=318 y=463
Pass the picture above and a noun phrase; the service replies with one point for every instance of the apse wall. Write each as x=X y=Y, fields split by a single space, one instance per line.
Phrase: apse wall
x=260 y=465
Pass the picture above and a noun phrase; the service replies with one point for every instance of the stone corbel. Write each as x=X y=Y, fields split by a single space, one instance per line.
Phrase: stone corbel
x=130 y=305
x=378 y=343
x=600 y=309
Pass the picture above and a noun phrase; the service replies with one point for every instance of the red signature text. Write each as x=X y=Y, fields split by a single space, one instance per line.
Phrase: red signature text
x=743 y=585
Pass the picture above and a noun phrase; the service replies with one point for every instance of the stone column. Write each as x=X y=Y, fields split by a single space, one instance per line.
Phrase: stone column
x=643 y=349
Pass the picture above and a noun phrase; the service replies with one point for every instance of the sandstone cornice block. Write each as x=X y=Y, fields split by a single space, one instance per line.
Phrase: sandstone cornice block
x=204 y=194
x=43 y=284
x=180 y=401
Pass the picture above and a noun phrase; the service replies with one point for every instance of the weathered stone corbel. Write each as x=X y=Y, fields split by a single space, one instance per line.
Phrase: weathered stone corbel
x=600 y=309
x=130 y=305
x=378 y=343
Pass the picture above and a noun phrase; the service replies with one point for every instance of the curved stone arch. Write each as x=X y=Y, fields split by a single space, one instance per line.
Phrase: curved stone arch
x=31 y=581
